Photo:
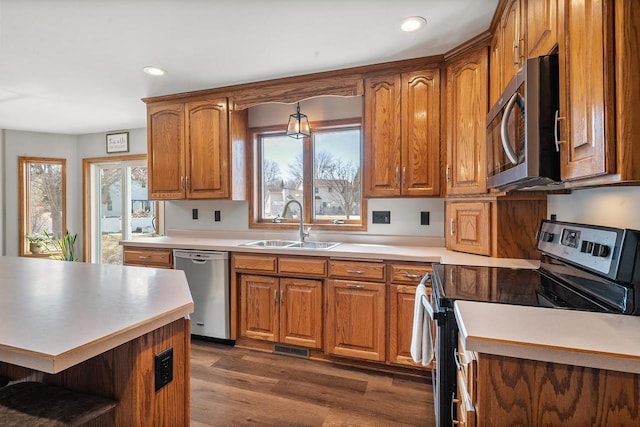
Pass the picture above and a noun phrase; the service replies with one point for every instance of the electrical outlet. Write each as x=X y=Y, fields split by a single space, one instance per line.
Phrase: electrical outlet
x=424 y=218
x=216 y=216
x=381 y=217
x=163 y=368
x=194 y=213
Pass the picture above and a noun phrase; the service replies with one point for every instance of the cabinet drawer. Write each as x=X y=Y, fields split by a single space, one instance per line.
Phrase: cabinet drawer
x=466 y=408
x=466 y=362
x=162 y=258
x=264 y=263
x=406 y=273
x=302 y=266
x=357 y=270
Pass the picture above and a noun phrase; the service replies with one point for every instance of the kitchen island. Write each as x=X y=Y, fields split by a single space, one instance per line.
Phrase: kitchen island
x=543 y=366
x=96 y=329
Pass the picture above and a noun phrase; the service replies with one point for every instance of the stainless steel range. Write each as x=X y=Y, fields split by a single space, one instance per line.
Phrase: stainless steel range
x=583 y=267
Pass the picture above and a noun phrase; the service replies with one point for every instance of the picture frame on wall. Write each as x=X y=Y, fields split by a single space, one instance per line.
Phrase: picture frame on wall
x=118 y=142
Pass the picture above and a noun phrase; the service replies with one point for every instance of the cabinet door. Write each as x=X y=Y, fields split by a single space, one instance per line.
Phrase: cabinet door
x=207 y=137
x=382 y=136
x=469 y=227
x=301 y=312
x=495 y=69
x=165 y=148
x=355 y=323
x=584 y=54
x=421 y=133
x=259 y=298
x=401 y=305
x=542 y=27
x=466 y=117
x=511 y=41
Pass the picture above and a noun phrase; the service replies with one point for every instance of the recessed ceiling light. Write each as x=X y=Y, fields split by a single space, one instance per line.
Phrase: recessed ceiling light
x=154 y=71
x=412 y=23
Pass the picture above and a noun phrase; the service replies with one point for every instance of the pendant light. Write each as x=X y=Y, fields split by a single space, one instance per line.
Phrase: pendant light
x=298 y=125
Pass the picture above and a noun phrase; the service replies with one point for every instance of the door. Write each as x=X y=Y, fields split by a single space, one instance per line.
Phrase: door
x=469 y=227
x=121 y=208
x=355 y=324
x=401 y=309
x=382 y=136
x=259 y=307
x=165 y=133
x=207 y=149
x=466 y=116
x=421 y=133
x=301 y=312
x=584 y=81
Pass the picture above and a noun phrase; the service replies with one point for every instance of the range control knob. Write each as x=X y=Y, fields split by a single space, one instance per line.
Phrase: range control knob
x=600 y=250
x=587 y=247
x=548 y=237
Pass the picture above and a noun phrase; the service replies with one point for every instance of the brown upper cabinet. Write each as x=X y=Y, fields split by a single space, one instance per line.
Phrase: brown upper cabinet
x=466 y=114
x=402 y=134
x=542 y=27
x=189 y=150
x=507 y=51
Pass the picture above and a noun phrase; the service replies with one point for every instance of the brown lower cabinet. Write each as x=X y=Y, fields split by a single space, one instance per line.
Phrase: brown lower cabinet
x=148 y=257
x=355 y=323
x=286 y=310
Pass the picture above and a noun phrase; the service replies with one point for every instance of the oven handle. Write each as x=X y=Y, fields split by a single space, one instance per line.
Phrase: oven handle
x=425 y=302
x=504 y=132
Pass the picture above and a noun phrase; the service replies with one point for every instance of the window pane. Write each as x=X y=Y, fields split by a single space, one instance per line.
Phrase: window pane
x=282 y=174
x=45 y=201
x=110 y=215
x=336 y=177
x=143 y=210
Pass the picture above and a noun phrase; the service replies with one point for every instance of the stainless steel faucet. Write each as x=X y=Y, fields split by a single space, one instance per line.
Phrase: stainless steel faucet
x=302 y=233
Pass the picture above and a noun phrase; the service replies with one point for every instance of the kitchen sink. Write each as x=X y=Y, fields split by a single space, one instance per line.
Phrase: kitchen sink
x=315 y=245
x=291 y=244
x=271 y=243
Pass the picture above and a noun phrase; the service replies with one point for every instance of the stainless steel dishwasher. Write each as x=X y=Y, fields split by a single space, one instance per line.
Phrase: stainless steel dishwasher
x=208 y=277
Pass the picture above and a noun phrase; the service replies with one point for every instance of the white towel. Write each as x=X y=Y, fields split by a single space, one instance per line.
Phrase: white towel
x=421 y=340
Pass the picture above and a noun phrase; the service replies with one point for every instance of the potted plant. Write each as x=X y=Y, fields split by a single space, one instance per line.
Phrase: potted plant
x=62 y=248
x=36 y=242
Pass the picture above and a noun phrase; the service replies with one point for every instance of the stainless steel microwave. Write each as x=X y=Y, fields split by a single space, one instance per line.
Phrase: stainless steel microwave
x=522 y=133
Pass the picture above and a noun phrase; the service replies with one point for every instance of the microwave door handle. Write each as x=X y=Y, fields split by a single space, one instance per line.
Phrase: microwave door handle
x=504 y=132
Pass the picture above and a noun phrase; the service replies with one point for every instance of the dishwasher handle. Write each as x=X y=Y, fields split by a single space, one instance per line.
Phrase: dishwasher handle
x=200 y=257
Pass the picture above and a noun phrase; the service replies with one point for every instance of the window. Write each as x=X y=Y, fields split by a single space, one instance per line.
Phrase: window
x=321 y=172
x=42 y=198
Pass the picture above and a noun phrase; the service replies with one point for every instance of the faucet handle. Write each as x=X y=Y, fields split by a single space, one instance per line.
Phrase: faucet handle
x=277 y=219
x=306 y=233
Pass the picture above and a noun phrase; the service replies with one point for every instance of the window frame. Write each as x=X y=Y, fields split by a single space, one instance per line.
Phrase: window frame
x=308 y=187
x=23 y=199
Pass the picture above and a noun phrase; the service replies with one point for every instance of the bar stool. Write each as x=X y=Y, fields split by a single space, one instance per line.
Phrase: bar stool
x=43 y=405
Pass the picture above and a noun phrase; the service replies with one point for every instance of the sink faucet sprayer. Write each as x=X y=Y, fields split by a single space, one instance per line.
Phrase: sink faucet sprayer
x=302 y=233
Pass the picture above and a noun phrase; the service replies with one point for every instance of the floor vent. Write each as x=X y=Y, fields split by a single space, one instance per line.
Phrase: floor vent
x=288 y=350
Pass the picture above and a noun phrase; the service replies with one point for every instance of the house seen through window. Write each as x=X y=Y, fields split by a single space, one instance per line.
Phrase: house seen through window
x=322 y=172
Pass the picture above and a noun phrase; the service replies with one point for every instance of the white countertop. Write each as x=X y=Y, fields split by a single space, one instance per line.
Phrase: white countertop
x=595 y=340
x=55 y=314
x=344 y=250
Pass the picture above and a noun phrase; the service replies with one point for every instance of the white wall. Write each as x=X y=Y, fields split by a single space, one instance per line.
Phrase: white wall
x=614 y=207
x=95 y=144
x=316 y=109
x=35 y=144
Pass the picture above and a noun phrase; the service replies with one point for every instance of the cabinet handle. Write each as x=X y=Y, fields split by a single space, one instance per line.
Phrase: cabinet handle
x=447 y=173
x=275 y=297
x=355 y=286
x=404 y=176
x=182 y=182
x=515 y=54
x=186 y=182
x=412 y=276
x=397 y=175
x=355 y=271
x=144 y=257
x=281 y=296
x=452 y=227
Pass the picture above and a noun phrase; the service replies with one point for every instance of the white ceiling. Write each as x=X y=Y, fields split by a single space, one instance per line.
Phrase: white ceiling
x=75 y=66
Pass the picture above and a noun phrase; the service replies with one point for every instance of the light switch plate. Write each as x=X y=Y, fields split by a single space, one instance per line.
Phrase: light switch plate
x=381 y=217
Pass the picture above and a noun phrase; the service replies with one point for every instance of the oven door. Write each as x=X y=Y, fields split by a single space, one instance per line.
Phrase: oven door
x=443 y=369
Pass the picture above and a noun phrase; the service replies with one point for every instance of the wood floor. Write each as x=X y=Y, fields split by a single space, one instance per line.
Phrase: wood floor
x=238 y=387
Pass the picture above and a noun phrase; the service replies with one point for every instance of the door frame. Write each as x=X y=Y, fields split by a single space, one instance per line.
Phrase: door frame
x=87 y=166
